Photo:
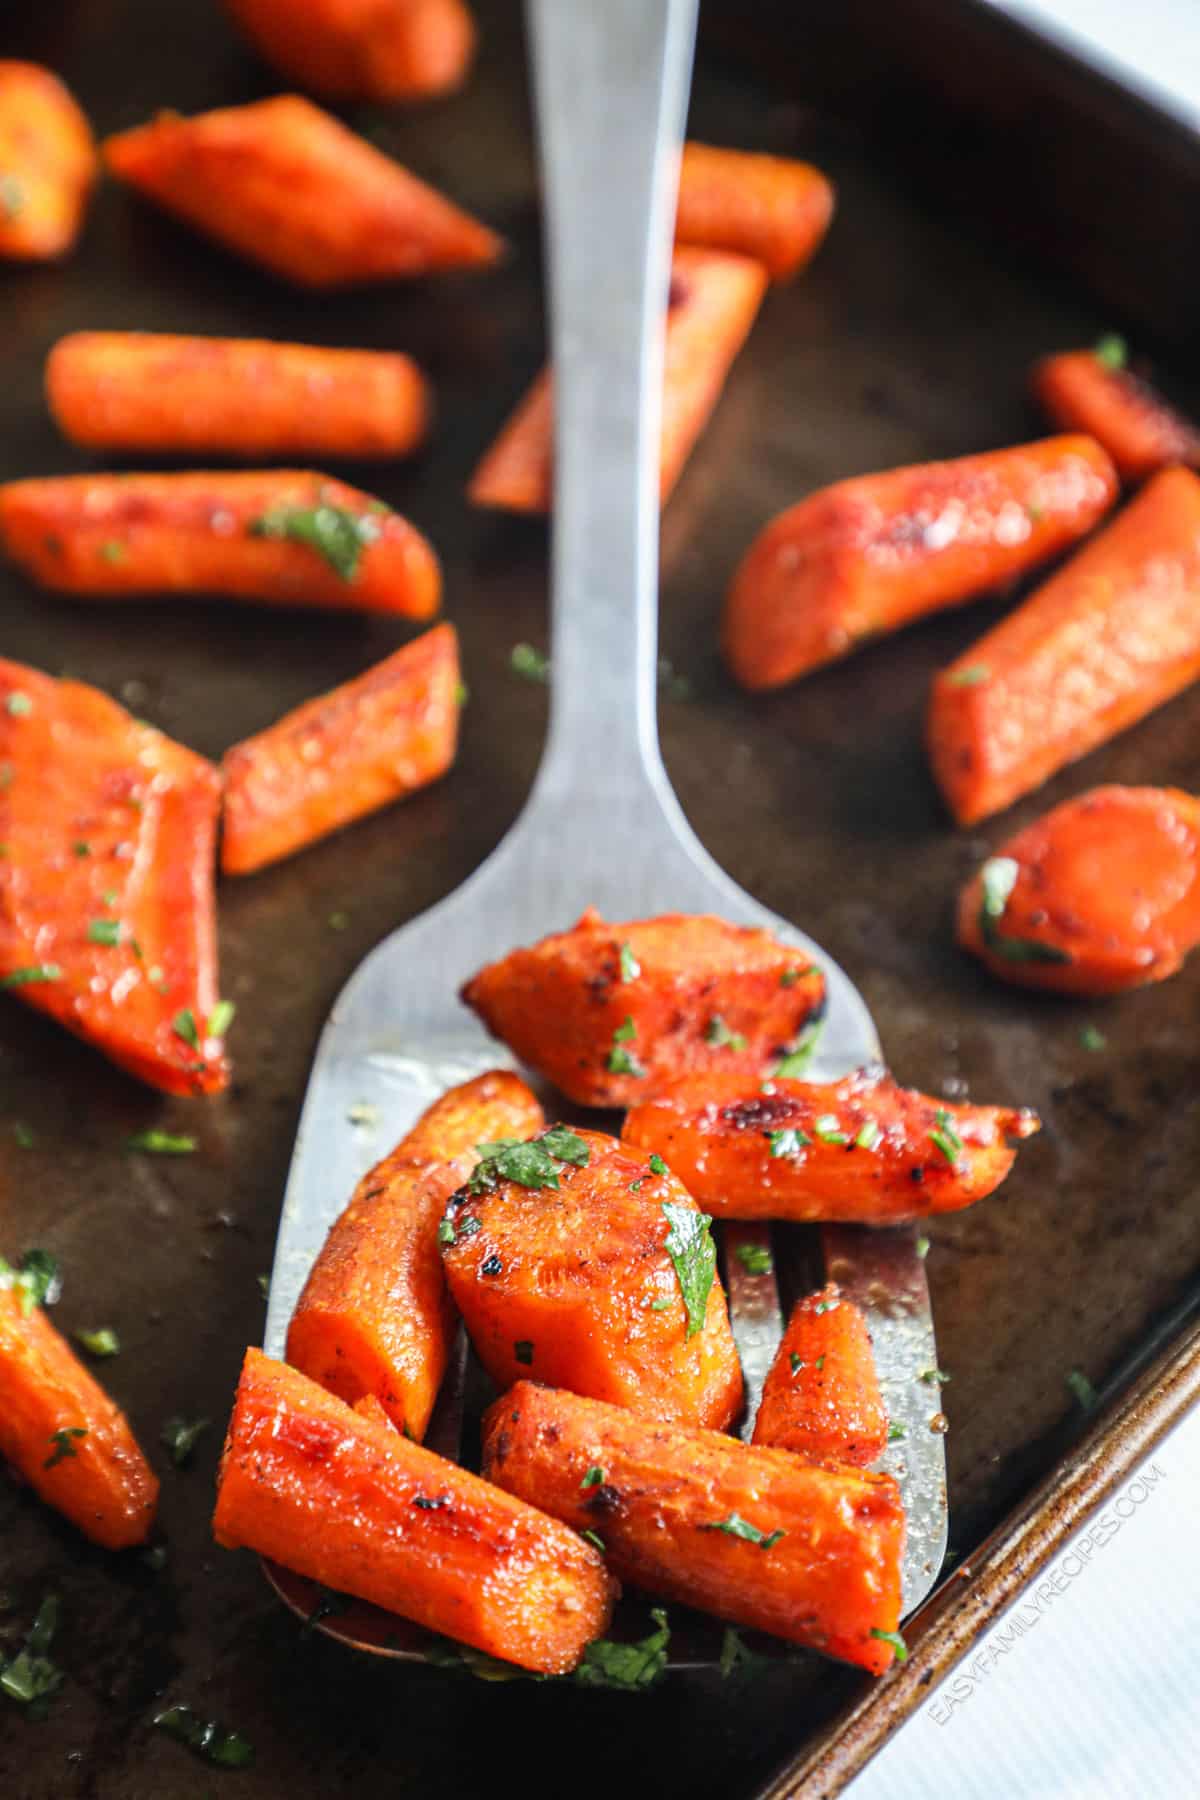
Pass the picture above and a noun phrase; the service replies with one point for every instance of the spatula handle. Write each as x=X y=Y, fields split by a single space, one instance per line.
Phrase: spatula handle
x=611 y=82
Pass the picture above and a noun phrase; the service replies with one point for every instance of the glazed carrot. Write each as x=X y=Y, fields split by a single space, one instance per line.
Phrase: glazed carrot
x=1099 y=895
x=611 y=1013
x=373 y=740
x=283 y=183
x=107 y=909
x=363 y=49
x=866 y=556
x=1114 y=634
x=595 y=1272
x=143 y=390
x=61 y=1431
x=714 y=299
x=771 y=208
x=861 y=1149
x=821 y=1398
x=755 y=1536
x=48 y=164
x=352 y=1504
x=286 y=537
x=1093 y=391
x=375 y=1319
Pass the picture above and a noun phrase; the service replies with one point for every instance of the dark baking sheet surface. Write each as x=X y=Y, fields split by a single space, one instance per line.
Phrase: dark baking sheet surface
x=909 y=339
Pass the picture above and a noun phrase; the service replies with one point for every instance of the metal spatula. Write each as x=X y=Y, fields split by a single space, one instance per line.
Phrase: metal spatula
x=602 y=826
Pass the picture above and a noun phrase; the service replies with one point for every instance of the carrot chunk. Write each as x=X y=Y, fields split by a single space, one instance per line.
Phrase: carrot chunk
x=283 y=183
x=1093 y=391
x=352 y=1504
x=363 y=49
x=375 y=1319
x=107 y=909
x=285 y=537
x=863 y=1149
x=1101 y=894
x=821 y=1398
x=866 y=556
x=48 y=164
x=1114 y=634
x=144 y=390
x=373 y=740
x=593 y=1270
x=771 y=208
x=610 y=1013
x=61 y=1431
x=756 y=1536
x=714 y=300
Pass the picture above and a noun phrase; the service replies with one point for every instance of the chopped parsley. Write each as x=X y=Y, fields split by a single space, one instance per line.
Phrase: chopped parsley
x=221 y=1018
x=101 y=1342
x=64 y=1444
x=362 y=1113
x=690 y=1246
x=945 y=1138
x=895 y=1640
x=531 y=1165
x=896 y=1431
x=922 y=1247
x=264 y=1286
x=797 y=1362
x=869 y=1135
x=594 y=1538
x=153 y=1142
x=819 y=1364
x=180 y=1436
x=998 y=878
x=37 y=1277
x=717 y=1033
x=826 y=1129
x=974 y=673
x=12 y=195
x=801 y=1054
x=627 y=1666
x=755 y=1259
x=22 y=1136
x=113 y=551
x=530 y=664
x=338 y=921
x=80 y=848
x=932 y=1377
x=33 y=972
x=29 y=1678
x=790 y=977
x=335 y=533
x=660 y=1305
x=523 y=1351
x=104 y=931
x=1112 y=352
x=1082 y=1389
x=594 y=1477
x=631 y=968
x=736 y=1655
x=19 y=705
x=184 y=1026
x=736 y=1526
x=657 y=1165
x=206 y=1738
x=620 y=1060
x=788 y=1141
x=1093 y=1039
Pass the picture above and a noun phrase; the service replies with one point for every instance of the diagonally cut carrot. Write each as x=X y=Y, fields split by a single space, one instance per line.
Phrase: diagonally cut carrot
x=385 y=734
x=352 y=1504
x=107 y=909
x=1114 y=634
x=714 y=300
x=1093 y=391
x=48 y=164
x=284 y=537
x=363 y=49
x=285 y=184
x=821 y=1398
x=144 y=390
x=771 y=208
x=866 y=556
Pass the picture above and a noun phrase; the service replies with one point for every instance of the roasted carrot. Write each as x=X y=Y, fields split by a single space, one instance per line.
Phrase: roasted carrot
x=375 y=1318
x=143 y=390
x=862 y=1149
x=352 y=1504
x=286 y=537
x=363 y=49
x=771 y=208
x=756 y=1536
x=611 y=1013
x=1112 y=635
x=60 y=1430
x=714 y=299
x=593 y=1270
x=385 y=734
x=1094 y=391
x=283 y=183
x=1101 y=894
x=48 y=164
x=107 y=908
x=866 y=556
x=821 y=1398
